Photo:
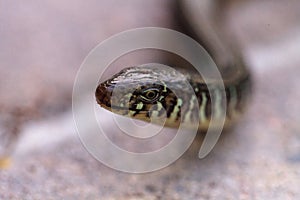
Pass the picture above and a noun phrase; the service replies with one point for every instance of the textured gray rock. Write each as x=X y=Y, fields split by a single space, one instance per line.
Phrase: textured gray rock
x=43 y=45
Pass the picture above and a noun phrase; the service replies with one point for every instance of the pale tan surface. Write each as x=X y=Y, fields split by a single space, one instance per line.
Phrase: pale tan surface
x=43 y=45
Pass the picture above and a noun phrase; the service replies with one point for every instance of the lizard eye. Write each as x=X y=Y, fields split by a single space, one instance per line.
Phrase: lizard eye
x=150 y=95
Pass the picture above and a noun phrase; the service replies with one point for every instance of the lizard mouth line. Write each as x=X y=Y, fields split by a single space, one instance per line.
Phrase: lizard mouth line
x=111 y=108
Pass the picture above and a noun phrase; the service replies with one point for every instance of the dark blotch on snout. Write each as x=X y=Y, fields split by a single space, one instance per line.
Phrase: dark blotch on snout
x=103 y=94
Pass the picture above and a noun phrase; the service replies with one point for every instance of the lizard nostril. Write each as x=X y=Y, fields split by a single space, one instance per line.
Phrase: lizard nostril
x=100 y=93
x=103 y=94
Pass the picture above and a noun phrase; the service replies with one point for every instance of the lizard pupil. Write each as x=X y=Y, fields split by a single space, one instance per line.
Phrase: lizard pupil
x=150 y=95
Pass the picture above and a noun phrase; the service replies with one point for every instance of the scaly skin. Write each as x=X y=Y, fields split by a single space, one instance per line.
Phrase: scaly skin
x=153 y=92
x=150 y=91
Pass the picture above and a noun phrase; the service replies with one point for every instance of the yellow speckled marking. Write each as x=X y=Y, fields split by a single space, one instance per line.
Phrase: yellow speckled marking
x=218 y=102
x=131 y=113
x=202 y=108
x=139 y=106
x=156 y=112
x=173 y=115
x=187 y=117
x=233 y=99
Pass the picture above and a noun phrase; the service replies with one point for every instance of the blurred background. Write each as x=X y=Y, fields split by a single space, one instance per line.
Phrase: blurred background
x=42 y=45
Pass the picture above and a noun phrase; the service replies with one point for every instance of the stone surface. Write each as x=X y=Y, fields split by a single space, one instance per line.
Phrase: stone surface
x=43 y=45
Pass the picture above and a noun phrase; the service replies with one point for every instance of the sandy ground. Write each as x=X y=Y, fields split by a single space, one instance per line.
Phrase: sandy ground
x=42 y=46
